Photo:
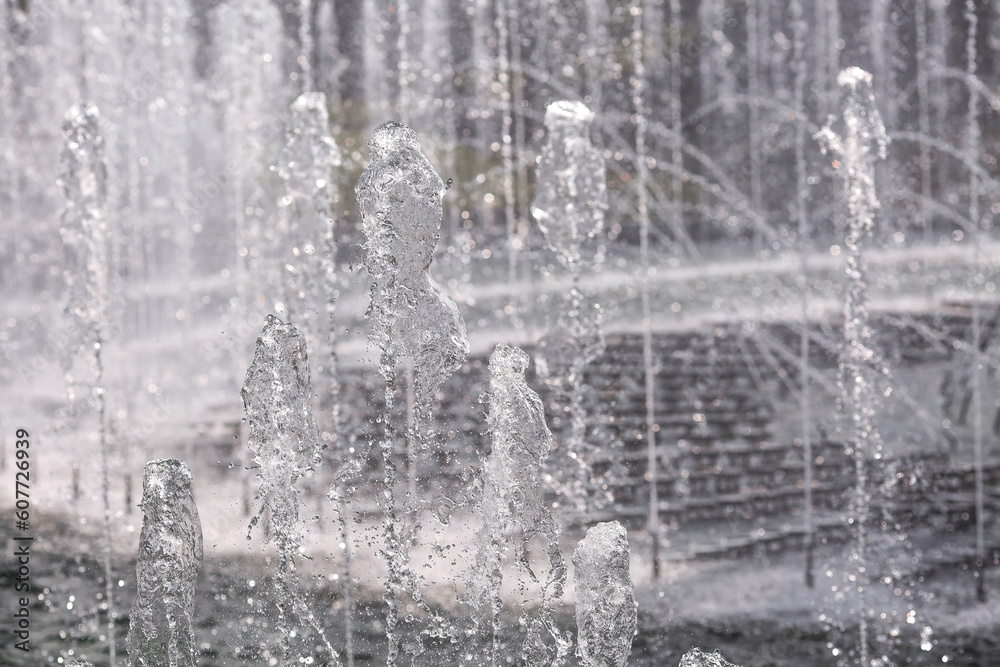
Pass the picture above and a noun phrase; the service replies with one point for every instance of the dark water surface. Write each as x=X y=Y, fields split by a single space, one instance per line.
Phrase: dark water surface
x=234 y=624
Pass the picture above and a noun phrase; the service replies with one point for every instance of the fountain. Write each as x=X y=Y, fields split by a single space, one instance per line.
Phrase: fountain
x=653 y=527
x=696 y=405
x=801 y=216
x=605 y=599
x=697 y=658
x=973 y=148
x=285 y=445
x=856 y=142
x=305 y=247
x=83 y=177
x=399 y=196
x=170 y=554
x=569 y=206
x=513 y=502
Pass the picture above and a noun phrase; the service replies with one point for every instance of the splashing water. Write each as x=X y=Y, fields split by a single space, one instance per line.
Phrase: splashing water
x=856 y=141
x=307 y=250
x=572 y=192
x=569 y=206
x=83 y=177
x=249 y=32
x=170 y=555
x=698 y=658
x=605 y=597
x=564 y=352
x=399 y=196
x=513 y=502
x=858 y=138
x=309 y=153
x=284 y=443
x=337 y=495
x=308 y=268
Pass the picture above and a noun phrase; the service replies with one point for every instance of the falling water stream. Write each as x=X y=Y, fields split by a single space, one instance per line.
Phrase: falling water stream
x=855 y=142
x=170 y=554
x=569 y=205
x=284 y=443
x=642 y=209
x=513 y=503
x=801 y=215
x=412 y=318
x=605 y=597
x=83 y=177
x=306 y=249
x=973 y=148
